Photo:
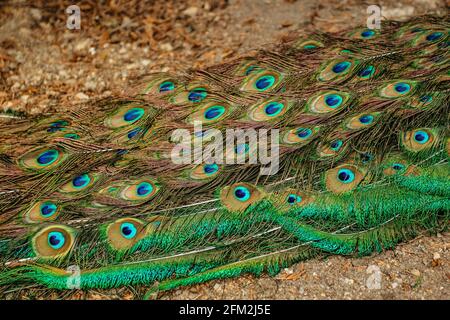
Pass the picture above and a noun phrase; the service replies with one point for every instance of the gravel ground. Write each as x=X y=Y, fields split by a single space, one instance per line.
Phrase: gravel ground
x=46 y=67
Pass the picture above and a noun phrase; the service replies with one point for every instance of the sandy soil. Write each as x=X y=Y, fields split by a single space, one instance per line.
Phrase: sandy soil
x=46 y=67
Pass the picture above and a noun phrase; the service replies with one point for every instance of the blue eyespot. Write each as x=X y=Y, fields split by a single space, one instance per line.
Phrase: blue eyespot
x=434 y=36
x=210 y=169
x=273 y=108
x=367 y=72
x=293 y=198
x=48 y=157
x=57 y=126
x=264 y=82
x=309 y=46
x=341 y=67
x=366 y=119
x=134 y=114
x=73 y=136
x=333 y=100
x=345 y=176
x=417 y=29
x=166 y=86
x=81 y=181
x=242 y=148
x=128 y=230
x=48 y=209
x=402 y=87
x=242 y=193
x=131 y=134
x=336 y=145
x=214 y=112
x=398 y=166
x=303 y=133
x=367 y=33
x=197 y=95
x=421 y=137
x=144 y=189
x=426 y=98
x=366 y=157
x=56 y=239
x=250 y=69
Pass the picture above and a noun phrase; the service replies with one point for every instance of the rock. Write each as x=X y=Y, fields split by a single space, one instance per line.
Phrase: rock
x=415 y=272
x=436 y=256
x=349 y=281
x=81 y=96
x=166 y=47
x=36 y=14
x=217 y=287
x=394 y=285
x=145 y=62
x=288 y=270
x=191 y=11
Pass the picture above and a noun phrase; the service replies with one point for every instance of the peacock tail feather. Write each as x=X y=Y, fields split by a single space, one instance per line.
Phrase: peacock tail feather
x=364 y=144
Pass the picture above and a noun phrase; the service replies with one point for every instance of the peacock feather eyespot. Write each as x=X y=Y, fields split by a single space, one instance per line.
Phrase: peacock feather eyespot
x=419 y=139
x=210 y=112
x=42 y=211
x=362 y=121
x=293 y=199
x=336 y=69
x=210 y=169
x=133 y=115
x=134 y=133
x=429 y=38
x=304 y=133
x=434 y=36
x=341 y=67
x=48 y=157
x=308 y=44
x=141 y=190
x=214 y=112
x=336 y=145
x=367 y=72
x=326 y=102
x=72 y=136
x=125 y=116
x=367 y=34
x=124 y=233
x=239 y=196
x=333 y=100
x=242 y=193
x=343 y=178
x=397 y=89
x=128 y=230
x=42 y=158
x=56 y=239
x=261 y=81
x=265 y=82
x=398 y=166
x=48 y=209
x=268 y=110
x=366 y=119
x=205 y=171
x=53 y=241
x=79 y=183
x=300 y=135
x=166 y=86
x=58 y=126
x=197 y=94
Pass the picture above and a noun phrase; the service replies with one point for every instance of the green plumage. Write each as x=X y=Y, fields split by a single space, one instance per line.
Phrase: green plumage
x=363 y=120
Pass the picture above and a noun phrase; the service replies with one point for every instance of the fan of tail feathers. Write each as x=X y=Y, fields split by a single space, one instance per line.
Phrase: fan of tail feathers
x=340 y=146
